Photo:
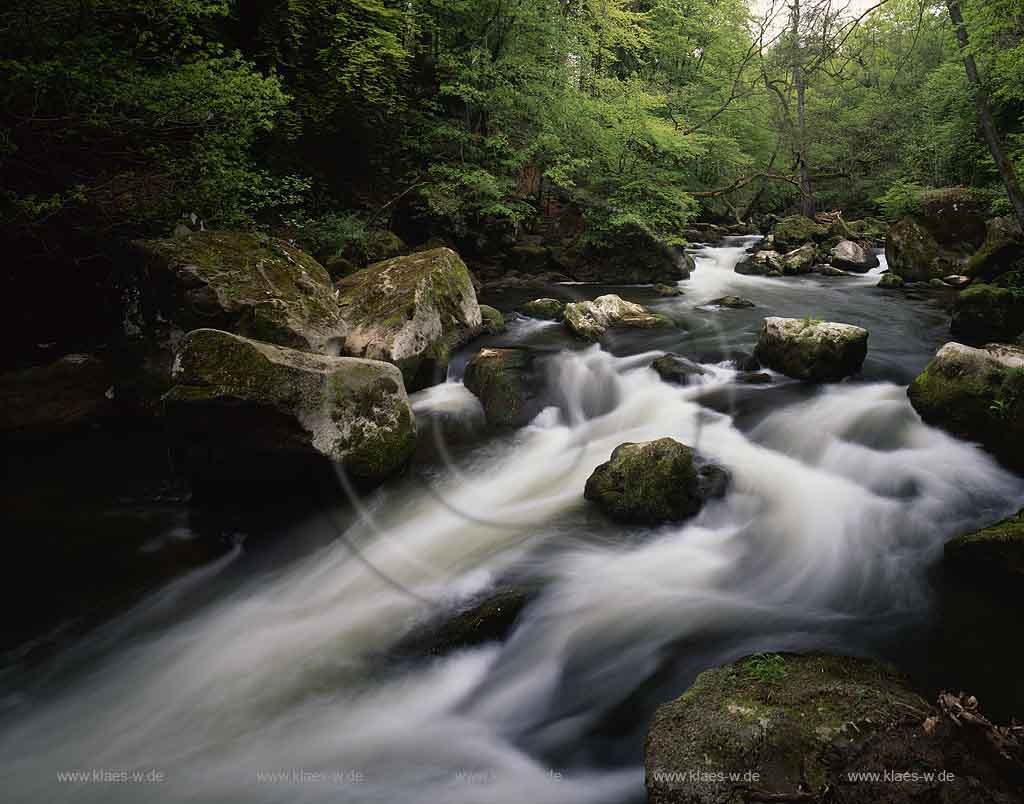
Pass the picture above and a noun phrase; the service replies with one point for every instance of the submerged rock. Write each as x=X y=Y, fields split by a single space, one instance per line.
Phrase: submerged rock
x=412 y=311
x=984 y=313
x=850 y=256
x=242 y=282
x=591 y=319
x=506 y=385
x=653 y=482
x=995 y=553
x=819 y=351
x=890 y=281
x=668 y=290
x=796 y=727
x=976 y=394
x=732 y=302
x=828 y=270
x=68 y=394
x=256 y=397
x=677 y=369
x=754 y=378
x=493 y=322
x=544 y=309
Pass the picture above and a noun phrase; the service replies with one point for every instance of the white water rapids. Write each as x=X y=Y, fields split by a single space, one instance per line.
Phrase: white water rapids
x=840 y=500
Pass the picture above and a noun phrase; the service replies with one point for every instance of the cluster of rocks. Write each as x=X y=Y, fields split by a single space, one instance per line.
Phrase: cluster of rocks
x=590 y=320
x=798 y=245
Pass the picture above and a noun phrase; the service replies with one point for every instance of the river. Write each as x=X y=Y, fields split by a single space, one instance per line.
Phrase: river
x=265 y=675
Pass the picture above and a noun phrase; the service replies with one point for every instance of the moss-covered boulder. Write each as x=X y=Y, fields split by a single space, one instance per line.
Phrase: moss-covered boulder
x=976 y=394
x=799 y=260
x=912 y=251
x=628 y=254
x=785 y=727
x=890 y=281
x=382 y=244
x=492 y=321
x=793 y=231
x=654 y=482
x=1002 y=251
x=544 y=309
x=850 y=256
x=68 y=394
x=591 y=319
x=760 y=263
x=251 y=396
x=995 y=554
x=819 y=351
x=529 y=258
x=984 y=313
x=505 y=383
x=242 y=282
x=411 y=311
x=677 y=369
x=954 y=215
x=668 y=290
x=869 y=231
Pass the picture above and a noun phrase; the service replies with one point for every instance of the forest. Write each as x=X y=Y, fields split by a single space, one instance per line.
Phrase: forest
x=332 y=122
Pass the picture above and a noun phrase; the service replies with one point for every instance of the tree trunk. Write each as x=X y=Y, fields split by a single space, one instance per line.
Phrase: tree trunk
x=988 y=126
x=807 y=206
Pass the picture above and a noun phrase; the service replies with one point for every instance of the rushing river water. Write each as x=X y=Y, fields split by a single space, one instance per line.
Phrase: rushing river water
x=249 y=668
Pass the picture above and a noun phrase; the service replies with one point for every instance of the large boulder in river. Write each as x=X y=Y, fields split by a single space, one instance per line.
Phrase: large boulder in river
x=591 y=319
x=251 y=396
x=795 y=230
x=493 y=322
x=819 y=351
x=815 y=728
x=912 y=251
x=995 y=554
x=678 y=370
x=411 y=311
x=654 y=482
x=544 y=309
x=68 y=394
x=505 y=383
x=628 y=254
x=984 y=313
x=241 y=282
x=976 y=394
x=1002 y=251
x=849 y=256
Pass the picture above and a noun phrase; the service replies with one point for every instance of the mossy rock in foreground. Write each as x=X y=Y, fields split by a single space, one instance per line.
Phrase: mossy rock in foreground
x=253 y=397
x=976 y=394
x=788 y=727
x=817 y=351
x=995 y=553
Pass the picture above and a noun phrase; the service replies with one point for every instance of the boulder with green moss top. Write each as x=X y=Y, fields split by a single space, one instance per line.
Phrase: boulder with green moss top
x=493 y=322
x=788 y=728
x=412 y=311
x=254 y=397
x=591 y=319
x=760 y=263
x=976 y=394
x=654 y=482
x=382 y=244
x=1002 y=251
x=995 y=553
x=668 y=290
x=890 y=281
x=69 y=394
x=850 y=256
x=913 y=252
x=869 y=231
x=799 y=260
x=806 y=349
x=796 y=230
x=507 y=385
x=628 y=254
x=241 y=282
x=544 y=309
x=984 y=313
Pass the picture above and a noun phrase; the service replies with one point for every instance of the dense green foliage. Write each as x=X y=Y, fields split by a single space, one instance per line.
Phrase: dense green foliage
x=326 y=119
